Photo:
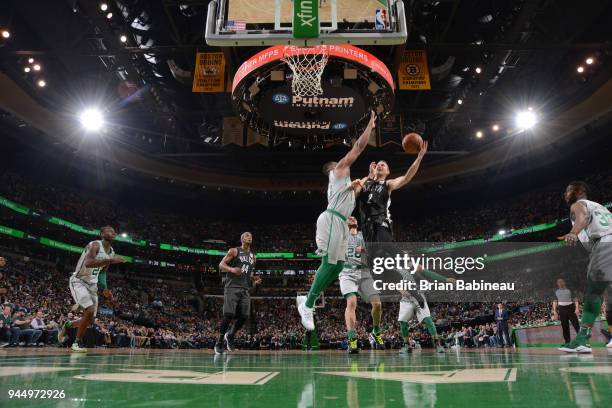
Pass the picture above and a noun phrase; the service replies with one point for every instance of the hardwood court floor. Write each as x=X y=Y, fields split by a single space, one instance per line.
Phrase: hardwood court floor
x=194 y=378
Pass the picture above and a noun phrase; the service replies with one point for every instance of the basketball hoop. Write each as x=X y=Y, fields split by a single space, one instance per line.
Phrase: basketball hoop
x=307 y=64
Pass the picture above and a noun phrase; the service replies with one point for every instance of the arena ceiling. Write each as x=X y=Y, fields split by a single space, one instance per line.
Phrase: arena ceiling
x=527 y=54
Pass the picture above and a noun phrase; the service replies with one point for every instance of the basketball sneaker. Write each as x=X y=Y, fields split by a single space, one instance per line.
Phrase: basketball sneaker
x=353 y=347
x=77 y=348
x=229 y=341
x=219 y=348
x=377 y=341
x=576 y=346
x=61 y=334
x=306 y=313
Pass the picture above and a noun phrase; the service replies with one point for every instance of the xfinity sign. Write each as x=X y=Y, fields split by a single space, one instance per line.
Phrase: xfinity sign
x=305 y=18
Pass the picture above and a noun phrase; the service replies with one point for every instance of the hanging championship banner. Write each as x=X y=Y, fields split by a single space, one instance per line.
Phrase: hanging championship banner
x=233 y=131
x=391 y=130
x=209 y=75
x=413 y=74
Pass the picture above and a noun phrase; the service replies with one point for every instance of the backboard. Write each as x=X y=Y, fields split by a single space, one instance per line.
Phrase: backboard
x=277 y=22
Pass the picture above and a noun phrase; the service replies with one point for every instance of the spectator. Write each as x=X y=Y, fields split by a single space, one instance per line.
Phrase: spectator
x=49 y=331
x=25 y=331
x=6 y=327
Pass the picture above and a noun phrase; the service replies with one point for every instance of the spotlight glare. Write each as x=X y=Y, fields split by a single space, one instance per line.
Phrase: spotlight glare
x=460 y=101
x=478 y=70
x=109 y=15
x=30 y=60
x=123 y=38
x=525 y=120
x=495 y=128
x=103 y=6
x=27 y=69
x=36 y=67
x=124 y=235
x=42 y=83
x=501 y=232
x=91 y=119
x=589 y=61
x=580 y=69
x=6 y=33
x=479 y=134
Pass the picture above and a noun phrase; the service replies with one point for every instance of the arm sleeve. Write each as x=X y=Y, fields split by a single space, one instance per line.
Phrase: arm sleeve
x=102 y=280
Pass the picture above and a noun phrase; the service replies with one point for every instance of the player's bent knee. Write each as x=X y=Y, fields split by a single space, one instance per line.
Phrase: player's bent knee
x=351 y=301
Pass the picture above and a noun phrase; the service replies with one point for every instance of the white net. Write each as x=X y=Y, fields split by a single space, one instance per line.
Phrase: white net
x=307 y=64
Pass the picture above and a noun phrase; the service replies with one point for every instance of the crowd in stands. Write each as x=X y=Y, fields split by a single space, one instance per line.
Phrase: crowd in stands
x=160 y=314
x=542 y=205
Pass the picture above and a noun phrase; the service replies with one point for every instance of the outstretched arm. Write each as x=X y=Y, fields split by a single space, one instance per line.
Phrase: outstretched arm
x=344 y=165
x=401 y=181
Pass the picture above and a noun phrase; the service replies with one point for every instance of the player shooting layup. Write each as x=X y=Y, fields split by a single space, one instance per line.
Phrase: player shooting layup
x=332 y=230
x=374 y=202
x=592 y=226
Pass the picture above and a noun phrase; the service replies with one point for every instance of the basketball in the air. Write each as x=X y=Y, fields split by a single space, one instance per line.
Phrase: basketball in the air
x=412 y=143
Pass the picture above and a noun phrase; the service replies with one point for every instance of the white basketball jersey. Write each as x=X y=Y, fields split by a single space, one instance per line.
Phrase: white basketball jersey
x=340 y=195
x=599 y=221
x=90 y=275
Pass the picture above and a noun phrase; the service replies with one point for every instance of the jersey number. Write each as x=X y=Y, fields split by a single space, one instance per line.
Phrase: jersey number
x=245 y=268
x=352 y=253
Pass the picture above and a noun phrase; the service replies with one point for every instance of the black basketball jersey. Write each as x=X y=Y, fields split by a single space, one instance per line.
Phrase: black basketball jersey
x=374 y=203
x=245 y=260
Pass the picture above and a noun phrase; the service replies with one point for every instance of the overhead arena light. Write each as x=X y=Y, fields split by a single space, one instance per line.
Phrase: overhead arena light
x=103 y=6
x=526 y=120
x=589 y=61
x=6 y=33
x=123 y=38
x=495 y=128
x=42 y=83
x=479 y=134
x=91 y=119
x=580 y=69
x=26 y=69
x=460 y=101
x=30 y=60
